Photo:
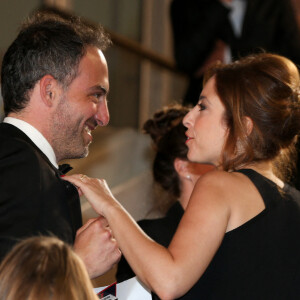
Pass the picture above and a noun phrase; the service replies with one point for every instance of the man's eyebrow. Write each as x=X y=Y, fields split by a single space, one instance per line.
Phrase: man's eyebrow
x=99 y=88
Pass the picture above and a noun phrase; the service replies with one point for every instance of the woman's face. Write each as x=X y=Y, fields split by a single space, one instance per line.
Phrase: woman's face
x=206 y=129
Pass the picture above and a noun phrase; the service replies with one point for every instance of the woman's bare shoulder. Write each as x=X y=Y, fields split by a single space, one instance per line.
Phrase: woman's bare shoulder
x=221 y=187
x=212 y=187
x=219 y=179
x=232 y=192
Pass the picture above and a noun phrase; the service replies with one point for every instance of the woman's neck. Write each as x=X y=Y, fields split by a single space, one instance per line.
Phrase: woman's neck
x=265 y=169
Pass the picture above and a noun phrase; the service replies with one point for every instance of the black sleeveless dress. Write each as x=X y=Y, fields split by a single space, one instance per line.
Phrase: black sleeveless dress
x=261 y=258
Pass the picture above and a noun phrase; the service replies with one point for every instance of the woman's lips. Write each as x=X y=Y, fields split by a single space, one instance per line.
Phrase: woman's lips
x=188 y=138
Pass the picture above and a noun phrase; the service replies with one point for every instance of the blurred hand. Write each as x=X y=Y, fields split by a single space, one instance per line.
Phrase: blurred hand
x=96 y=246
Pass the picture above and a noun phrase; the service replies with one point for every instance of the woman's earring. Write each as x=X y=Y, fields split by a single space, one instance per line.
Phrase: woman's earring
x=188 y=177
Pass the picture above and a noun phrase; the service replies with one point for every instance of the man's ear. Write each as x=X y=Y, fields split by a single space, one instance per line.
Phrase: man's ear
x=48 y=85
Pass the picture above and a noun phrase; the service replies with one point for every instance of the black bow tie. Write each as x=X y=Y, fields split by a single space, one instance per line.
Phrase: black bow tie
x=64 y=168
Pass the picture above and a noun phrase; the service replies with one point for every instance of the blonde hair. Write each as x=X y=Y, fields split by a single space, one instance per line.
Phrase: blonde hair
x=44 y=268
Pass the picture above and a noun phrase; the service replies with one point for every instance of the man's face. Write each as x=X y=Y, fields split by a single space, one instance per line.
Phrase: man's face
x=81 y=108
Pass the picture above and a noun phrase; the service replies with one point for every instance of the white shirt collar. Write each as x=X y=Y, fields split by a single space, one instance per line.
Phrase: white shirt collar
x=37 y=138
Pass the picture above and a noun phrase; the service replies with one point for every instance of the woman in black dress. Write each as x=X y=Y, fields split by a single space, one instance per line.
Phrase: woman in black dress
x=239 y=235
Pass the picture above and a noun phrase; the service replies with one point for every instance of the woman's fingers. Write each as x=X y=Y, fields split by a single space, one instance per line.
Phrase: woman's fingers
x=75 y=180
x=95 y=190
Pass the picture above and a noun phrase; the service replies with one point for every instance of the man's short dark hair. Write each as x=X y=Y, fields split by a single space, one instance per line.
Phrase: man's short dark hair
x=48 y=43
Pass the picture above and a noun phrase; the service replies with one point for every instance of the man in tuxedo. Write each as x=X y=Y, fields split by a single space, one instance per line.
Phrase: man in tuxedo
x=54 y=83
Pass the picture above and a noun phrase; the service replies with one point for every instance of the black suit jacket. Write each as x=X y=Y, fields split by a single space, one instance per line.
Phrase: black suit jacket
x=34 y=200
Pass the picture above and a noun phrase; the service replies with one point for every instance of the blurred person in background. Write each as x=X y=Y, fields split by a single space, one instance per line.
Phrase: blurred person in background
x=206 y=31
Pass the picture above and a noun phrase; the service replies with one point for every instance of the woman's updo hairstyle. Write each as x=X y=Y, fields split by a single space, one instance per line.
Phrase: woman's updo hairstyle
x=168 y=135
x=265 y=88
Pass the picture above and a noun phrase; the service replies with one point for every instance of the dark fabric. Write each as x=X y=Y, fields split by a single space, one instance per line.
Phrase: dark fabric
x=160 y=230
x=261 y=258
x=34 y=199
x=270 y=25
x=64 y=168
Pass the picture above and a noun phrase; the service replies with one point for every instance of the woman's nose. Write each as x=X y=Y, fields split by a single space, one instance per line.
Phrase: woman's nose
x=187 y=119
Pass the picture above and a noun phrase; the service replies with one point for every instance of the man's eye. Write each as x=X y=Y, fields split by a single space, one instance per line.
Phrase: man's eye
x=97 y=97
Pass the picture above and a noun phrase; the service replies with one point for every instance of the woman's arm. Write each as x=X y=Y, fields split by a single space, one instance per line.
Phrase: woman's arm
x=169 y=272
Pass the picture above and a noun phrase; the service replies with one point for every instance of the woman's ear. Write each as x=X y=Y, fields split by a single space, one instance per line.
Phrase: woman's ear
x=248 y=124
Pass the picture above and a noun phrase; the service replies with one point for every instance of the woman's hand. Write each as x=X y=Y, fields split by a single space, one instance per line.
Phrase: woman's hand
x=95 y=190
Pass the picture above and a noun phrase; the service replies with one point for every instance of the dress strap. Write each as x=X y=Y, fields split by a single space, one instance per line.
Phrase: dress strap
x=268 y=190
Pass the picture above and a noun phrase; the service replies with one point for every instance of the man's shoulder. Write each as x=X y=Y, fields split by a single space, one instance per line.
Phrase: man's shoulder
x=6 y=128
x=12 y=134
x=17 y=152
x=14 y=141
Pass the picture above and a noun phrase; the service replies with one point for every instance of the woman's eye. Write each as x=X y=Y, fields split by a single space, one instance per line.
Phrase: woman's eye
x=201 y=106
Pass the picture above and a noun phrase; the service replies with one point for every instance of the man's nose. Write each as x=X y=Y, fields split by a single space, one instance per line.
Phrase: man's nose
x=102 y=114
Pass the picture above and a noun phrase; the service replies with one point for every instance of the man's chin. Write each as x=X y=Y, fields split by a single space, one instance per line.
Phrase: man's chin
x=85 y=153
x=84 y=148
x=78 y=155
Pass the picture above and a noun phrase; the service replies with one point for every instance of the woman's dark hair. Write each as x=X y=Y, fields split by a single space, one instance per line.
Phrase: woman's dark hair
x=264 y=88
x=168 y=135
x=48 y=43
